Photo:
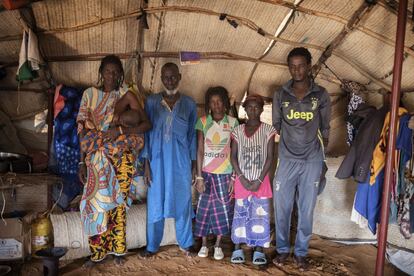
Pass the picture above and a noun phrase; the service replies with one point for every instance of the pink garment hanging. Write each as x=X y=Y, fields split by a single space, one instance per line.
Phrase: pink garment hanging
x=59 y=101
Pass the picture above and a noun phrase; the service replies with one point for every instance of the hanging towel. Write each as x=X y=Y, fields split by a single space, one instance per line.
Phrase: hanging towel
x=29 y=57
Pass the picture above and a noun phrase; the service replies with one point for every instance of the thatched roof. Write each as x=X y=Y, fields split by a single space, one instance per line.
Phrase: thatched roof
x=242 y=52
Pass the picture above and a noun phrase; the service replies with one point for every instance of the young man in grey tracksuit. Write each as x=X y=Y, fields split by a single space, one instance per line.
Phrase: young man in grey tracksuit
x=301 y=115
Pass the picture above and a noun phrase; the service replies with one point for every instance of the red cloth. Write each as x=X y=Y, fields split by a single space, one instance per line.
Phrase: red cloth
x=59 y=101
x=265 y=191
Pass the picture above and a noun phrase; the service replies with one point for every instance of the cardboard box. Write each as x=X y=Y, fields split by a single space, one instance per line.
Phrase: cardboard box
x=14 y=239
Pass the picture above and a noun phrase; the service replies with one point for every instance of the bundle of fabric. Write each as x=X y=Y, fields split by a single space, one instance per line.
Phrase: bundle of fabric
x=66 y=142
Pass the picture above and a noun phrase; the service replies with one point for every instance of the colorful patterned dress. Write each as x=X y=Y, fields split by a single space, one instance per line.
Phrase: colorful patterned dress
x=111 y=179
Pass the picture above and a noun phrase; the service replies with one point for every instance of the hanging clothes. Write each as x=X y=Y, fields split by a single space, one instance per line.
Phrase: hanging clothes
x=367 y=203
x=358 y=160
x=404 y=189
x=66 y=143
x=29 y=57
x=355 y=100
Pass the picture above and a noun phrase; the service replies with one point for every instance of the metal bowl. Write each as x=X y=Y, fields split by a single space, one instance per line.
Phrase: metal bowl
x=7 y=156
x=4 y=269
x=14 y=162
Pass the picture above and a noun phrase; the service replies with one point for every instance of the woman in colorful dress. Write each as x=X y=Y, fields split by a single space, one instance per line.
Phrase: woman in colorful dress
x=214 y=181
x=108 y=155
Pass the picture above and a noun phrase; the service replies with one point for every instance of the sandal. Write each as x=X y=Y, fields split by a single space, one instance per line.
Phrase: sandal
x=237 y=257
x=259 y=258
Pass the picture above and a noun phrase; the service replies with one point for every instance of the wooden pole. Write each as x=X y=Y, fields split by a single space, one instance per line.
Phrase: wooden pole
x=392 y=136
x=50 y=120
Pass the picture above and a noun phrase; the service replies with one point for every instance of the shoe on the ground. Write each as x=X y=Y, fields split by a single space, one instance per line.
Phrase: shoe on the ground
x=301 y=263
x=281 y=259
x=218 y=253
x=203 y=253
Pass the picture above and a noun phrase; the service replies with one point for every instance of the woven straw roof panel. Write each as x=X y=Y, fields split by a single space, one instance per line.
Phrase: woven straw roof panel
x=265 y=15
x=345 y=71
x=16 y=104
x=9 y=50
x=329 y=86
x=72 y=13
x=9 y=25
x=407 y=80
x=200 y=32
x=196 y=79
x=267 y=79
x=375 y=58
x=313 y=30
x=383 y=22
x=112 y=37
x=408 y=100
x=76 y=73
x=178 y=35
x=150 y=36
x=281 y=50
x=340 y=8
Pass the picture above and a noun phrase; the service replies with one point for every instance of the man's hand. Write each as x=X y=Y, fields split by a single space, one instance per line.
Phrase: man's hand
x=325 y=142
x=193 y=171
x=147 y=174
x=82 y=173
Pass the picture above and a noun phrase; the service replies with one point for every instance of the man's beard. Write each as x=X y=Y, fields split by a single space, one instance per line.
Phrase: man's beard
x=171 y=92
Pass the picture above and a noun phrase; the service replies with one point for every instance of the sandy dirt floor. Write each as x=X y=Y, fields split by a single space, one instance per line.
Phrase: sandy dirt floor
x=326 y=258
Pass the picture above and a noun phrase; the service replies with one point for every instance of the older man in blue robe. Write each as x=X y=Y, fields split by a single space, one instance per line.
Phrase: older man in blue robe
x=170 y=152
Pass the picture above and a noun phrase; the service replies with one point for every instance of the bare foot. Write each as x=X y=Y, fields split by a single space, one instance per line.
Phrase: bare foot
x=88 y=264
x=189 y=252
x=144 y=254
x=119 y=260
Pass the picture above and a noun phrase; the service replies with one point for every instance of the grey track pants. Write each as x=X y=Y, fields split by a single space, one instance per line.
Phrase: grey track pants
x=292 y=176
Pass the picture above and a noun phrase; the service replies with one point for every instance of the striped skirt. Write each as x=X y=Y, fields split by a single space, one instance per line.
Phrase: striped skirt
x=215 y=206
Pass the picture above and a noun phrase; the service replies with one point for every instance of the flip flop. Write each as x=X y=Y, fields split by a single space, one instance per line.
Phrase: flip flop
x=259 y=258
x=237 y=257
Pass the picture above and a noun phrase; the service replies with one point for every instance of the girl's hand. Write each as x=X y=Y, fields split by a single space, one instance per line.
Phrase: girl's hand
x=231 y=186
x=245 y=182
x=200 y=186
x=255 y=185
